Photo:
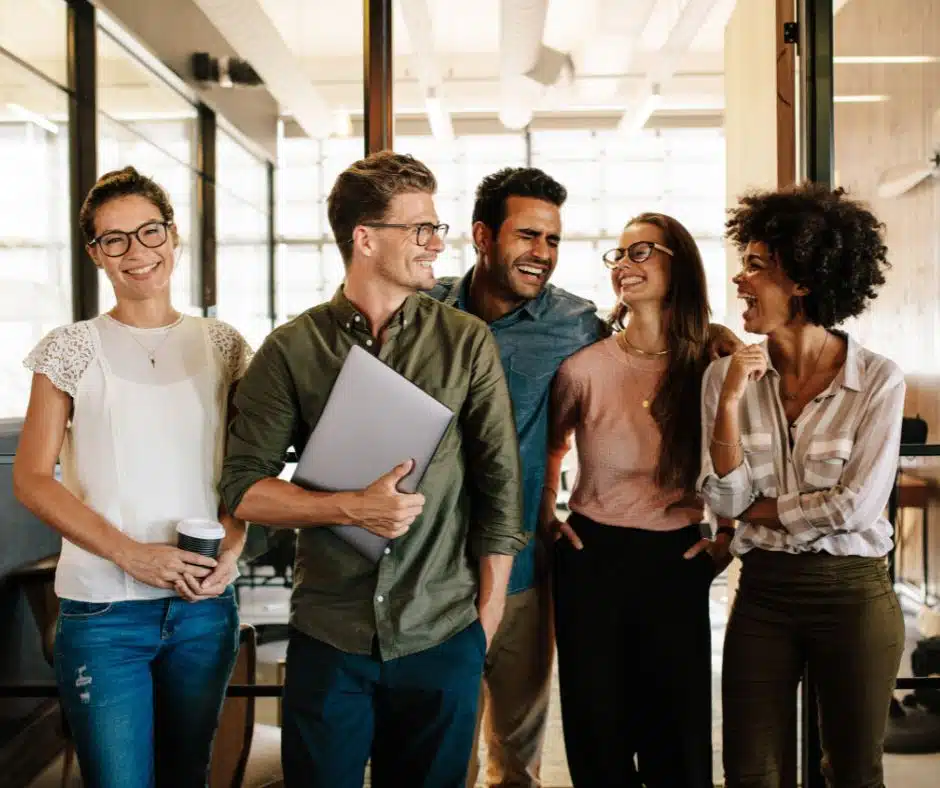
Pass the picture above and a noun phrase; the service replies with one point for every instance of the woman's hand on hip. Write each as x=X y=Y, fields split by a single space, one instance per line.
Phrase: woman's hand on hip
x=551 y=529
x=717 y=549
x=162 y=565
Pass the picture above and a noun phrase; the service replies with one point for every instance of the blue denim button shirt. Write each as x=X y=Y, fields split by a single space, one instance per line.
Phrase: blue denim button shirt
x=533 y=342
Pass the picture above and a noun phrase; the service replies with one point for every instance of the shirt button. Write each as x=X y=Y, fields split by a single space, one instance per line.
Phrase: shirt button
x=388 y=551
x=380 y=598
x=356 y=318
x=368 y=343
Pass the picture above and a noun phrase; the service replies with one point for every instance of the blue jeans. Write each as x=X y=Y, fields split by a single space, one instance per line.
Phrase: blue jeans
x=142 y=685
x=415 y=715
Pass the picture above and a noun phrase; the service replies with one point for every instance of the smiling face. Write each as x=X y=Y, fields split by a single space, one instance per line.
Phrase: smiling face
x=524 y=254
x=393 y=252
x=634 y=283
x=766 y=289
x=139 y=272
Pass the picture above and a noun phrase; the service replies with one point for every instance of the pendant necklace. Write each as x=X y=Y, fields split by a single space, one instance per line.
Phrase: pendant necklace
x=624 y=344
x=791 y=397
x=151 y=352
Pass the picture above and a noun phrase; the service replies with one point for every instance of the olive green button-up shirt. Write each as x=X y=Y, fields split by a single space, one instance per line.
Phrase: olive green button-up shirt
x=424 y=589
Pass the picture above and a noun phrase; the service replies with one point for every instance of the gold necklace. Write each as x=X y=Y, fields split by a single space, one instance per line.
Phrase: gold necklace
x=635 y=349
x=622 y=341
x=796 y=394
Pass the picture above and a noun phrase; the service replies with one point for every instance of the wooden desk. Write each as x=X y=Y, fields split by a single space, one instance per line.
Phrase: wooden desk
x=916 y=495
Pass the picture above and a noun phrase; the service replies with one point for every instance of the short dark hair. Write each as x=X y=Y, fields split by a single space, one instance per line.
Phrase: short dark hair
x=828 y=243
x=363 y=191
x=494 y=190
x=121 y=183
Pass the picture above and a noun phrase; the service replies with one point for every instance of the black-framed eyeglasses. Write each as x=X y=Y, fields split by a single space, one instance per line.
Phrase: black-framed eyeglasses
x=116 y=242
x=638 y=252
x=424 y=231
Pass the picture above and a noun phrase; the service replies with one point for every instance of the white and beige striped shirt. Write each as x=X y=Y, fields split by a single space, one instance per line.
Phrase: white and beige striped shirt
x=831 y=472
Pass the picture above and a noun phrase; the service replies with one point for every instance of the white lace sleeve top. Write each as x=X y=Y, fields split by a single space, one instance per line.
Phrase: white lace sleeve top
x=145 y=443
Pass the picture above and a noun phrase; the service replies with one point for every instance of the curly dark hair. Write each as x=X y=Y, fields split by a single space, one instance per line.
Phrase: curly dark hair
x=828 y=243
x=495 y=189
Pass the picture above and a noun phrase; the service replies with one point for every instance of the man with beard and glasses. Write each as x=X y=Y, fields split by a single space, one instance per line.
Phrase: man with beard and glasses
x=516 y=232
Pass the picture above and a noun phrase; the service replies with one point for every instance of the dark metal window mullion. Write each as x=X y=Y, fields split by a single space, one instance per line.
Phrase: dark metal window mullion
x=83 y=147
x=206 y=207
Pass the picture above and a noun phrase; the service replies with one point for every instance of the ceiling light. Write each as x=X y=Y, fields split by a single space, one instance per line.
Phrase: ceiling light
x=884 y=59
x=33 y=117
x=633 y=122
x=860 y=99
x=438 y=118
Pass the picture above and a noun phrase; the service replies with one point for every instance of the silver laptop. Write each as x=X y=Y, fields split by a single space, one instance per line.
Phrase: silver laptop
x=374 y=419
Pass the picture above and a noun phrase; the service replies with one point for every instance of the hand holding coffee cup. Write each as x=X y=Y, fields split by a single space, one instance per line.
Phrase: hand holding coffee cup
x=203 y=537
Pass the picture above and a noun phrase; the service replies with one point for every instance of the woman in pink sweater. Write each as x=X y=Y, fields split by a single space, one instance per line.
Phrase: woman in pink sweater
x=631 y=569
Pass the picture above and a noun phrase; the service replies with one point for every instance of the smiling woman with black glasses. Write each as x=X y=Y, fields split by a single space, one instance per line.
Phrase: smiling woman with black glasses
x=133 y=405
x=635 y=673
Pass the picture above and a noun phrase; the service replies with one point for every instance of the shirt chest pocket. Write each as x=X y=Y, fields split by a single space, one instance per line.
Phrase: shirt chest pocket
x=824 y=462
x=759 y=452
x=529 y=380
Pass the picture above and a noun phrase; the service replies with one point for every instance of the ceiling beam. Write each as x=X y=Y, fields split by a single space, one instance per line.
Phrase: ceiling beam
x=612 y=49
x=665 y=63
x=417 y=16
x=250 y=31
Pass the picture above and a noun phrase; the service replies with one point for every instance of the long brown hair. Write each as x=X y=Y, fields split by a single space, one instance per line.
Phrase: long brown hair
x=676 y=408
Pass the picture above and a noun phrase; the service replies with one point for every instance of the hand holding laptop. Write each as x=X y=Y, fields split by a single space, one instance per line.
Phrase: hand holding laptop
x=381 y=508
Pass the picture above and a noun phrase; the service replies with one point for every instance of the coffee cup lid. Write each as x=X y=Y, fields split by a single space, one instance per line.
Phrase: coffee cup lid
x=201 y=529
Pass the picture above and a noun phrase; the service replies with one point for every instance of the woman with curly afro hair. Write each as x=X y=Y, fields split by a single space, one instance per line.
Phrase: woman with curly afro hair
x=800 y=446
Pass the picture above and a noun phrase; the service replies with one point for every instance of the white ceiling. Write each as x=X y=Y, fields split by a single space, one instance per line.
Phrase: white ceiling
x=327 y=38
x=326 y=28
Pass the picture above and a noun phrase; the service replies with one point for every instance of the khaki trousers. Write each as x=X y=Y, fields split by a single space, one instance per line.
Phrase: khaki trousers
x=515 y=692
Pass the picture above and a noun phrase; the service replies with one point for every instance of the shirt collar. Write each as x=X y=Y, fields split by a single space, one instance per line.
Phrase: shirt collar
x=460 y=297
x=350 y=317
x=852 y=371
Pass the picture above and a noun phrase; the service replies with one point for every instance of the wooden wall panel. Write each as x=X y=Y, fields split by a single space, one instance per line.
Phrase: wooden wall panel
x=904 y=321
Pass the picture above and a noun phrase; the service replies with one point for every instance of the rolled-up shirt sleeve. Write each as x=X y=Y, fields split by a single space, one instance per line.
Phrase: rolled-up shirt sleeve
x=731 y=494
x=262 y=430
x=492 y=450
x=867 y=477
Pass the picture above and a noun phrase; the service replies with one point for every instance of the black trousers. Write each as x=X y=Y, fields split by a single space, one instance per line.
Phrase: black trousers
x=634 y=657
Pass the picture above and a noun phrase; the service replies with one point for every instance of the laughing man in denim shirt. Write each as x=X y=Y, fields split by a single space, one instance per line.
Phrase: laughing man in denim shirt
x=516 y=231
